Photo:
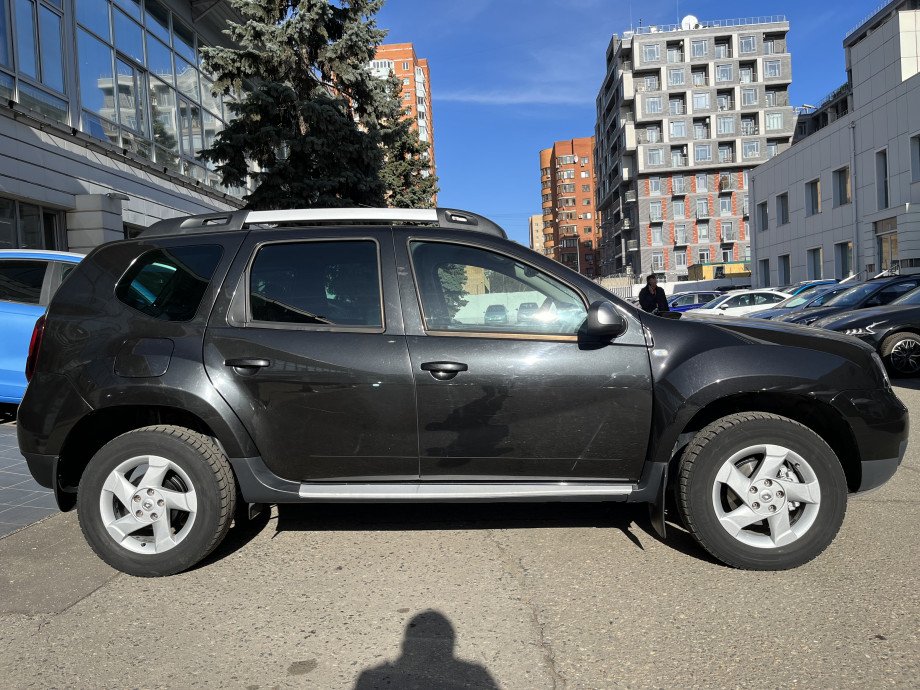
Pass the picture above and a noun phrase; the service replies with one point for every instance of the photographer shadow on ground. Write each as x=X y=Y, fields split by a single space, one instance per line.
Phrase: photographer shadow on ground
x=427 y=660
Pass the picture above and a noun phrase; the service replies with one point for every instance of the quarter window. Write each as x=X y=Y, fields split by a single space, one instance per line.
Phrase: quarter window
x=317 y=283
x=474 y=290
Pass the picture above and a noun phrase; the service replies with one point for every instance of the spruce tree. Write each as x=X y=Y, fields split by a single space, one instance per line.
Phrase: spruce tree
x=405 y=166
x=311 y=120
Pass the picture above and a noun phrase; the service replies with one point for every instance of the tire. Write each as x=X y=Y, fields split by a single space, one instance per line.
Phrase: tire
x=786 y=473
x=901 y=354
x=181 y=493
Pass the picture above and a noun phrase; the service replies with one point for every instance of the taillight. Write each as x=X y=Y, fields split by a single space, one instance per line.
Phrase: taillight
x=34 y=344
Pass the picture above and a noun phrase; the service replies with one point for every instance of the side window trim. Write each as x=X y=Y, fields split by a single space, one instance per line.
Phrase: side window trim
x=510 y=335
x=240 y=311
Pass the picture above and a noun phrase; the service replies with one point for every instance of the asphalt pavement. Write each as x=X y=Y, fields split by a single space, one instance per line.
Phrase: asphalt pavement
x=510 y=596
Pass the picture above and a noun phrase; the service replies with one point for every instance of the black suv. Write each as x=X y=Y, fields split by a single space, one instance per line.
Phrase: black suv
x=345 y=355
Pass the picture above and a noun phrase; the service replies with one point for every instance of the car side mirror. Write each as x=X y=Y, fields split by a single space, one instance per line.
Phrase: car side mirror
x=723 y=306
x=604 y=321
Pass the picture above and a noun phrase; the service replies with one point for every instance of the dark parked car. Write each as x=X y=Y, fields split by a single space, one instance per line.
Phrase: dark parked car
x=804 y=300
x=496 y=314
x=526 y=311
x=806 y=286
x=688 y=301
x=268 y=357
x=873 y=293
x=893 y=330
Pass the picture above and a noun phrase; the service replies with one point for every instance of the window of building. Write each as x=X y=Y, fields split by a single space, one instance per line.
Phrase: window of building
x=656 y=235
x=699 y=77
x=702 y=208
x=725 y=206
x=842 y=186
x=782 y=209
x=676 y=77
x=653 y=104
x=699 y=49
x=748 y=44
x=701 y=100
x=700 y=130
x=679 y=209
x=679 y=184
x=725 y=124
x=654 y=211
x=28 y=226
x=769 y=46
x=675 y=54
x=751 y=149
x=763 y=268
x=678 y=129
x=723 y=49
x=727 y=256
x=886 y=232
x=728 y=231
x=586 y=188
x=726 y=153
x=657 y=261
x=772 y=149
x=651 y=52
x=774 y=121
x=723 y=73
x=702 y=231
x=812 y=197
x=702 y=182
x=654 y=186
x=676 y=106
x=915 y=158
x=749 y=96
x=784 y=270
x=843 y=260
x=763 y=216
x=168 y=284
x=585 y=174
x=652 y=134
x=881 y=179
x=814 y=263
x=703 y=152
x=771 y=68
x=704 y=256
x=680 y=233
x=655 y=156
x=567 y=174
x=680 y=258
x=586 y=202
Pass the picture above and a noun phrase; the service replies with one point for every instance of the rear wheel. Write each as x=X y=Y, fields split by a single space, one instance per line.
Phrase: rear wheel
x=157 y=500
x=901 y=352
x=761 y=492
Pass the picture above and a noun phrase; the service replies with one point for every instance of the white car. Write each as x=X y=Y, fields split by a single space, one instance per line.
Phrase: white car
x=740 y=303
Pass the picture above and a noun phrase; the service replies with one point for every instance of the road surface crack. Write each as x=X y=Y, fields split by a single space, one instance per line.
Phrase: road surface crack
x=515 y=567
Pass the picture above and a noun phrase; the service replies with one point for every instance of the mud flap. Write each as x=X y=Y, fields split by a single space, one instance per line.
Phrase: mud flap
x=656 y=508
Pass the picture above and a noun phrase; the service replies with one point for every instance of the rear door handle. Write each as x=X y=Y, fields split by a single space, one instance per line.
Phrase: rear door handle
x=444 y=371
x=247 y=363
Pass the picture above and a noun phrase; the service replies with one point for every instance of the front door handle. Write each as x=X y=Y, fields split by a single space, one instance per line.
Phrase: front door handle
x=247 y=363
x=444 y=371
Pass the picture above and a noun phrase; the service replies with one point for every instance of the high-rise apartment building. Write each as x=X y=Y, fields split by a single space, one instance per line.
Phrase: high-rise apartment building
x=844 y=199
x=412 y=71
x=684 y=112
x=570 y=222
x=536 y=227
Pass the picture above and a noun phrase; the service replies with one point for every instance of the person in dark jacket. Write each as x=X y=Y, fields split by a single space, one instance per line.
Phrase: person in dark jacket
x=651 y=298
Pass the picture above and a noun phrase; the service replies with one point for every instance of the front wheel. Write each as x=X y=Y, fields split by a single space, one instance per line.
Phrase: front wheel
x=761 y=492
x=156 y=500
x=901 y=352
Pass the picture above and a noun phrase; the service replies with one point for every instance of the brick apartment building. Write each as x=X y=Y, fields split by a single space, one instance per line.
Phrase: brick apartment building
x=401 y=60
x=570 y=230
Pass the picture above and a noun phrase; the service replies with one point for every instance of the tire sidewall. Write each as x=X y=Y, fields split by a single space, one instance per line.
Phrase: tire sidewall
x=781 y=432
x=193 y=547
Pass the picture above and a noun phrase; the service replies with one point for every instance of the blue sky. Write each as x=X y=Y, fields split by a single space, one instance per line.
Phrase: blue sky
x=510 y=77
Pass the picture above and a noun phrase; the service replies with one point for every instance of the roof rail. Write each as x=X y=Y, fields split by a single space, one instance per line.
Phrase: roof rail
x=236 y=220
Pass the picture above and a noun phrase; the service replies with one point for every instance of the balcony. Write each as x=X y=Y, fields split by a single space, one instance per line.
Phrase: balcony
x=680 y=240
x=679 y=161
x=702 y=214
x=729 y=237
x=727 y=183
x=644 y=87
x=749 y=130
x=679 y=190
x=630 y=196
x=726 y=157
x=677 y=109
x=632 y=245
x=725 y=106
x=622 y=224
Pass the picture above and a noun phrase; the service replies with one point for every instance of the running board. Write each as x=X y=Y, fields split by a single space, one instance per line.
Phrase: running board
x=458 y=492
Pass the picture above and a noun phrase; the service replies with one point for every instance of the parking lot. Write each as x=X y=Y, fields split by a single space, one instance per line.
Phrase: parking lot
x=511 y=596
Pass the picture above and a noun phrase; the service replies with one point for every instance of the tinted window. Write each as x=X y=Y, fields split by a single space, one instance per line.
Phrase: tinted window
x=319 y=283
x=853 y=296
x=912 y=297
x=684 y=300
x=766 y=298
x=475 y=290
x=21 y=281
x=890 y=293
x=168 y=284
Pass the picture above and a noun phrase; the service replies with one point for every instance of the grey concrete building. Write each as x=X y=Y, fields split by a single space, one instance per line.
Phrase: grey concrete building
x=104 y=107
x=844 y=199
x=684 y=112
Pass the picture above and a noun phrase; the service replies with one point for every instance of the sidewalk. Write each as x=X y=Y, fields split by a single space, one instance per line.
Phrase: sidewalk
x=22 y=501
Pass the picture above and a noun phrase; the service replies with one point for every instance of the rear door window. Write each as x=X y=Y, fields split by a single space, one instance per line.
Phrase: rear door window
x=317 y=283
x=21 y=280
x=169 y=284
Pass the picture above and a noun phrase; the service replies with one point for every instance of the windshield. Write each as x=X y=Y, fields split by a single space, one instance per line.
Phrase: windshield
x=796 y=301
x=912 y=297
x=716 y=302
x=853 y=296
